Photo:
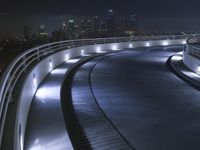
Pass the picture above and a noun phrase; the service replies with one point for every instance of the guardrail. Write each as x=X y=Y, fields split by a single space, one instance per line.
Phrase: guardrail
x=194 y=46
x=20 y=64
x=194 y=40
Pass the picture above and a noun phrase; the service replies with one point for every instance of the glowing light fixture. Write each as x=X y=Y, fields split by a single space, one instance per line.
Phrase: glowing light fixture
x=147 y=44
x=98 y=49
x=72 y=61
x=50 y=64
x=21 y=138
x=198 y=69
x=82 y=52
x=177 y=57
x=130 y=45
x=184 y=42
x=165 y=43
x=59 y=71
x=34 y=81
x=114 y=47
x=21 y=142
x=66 y=57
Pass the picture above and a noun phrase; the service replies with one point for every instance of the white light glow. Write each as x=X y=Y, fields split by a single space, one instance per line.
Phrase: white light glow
x=21 y=142
x=50 y=65
x=48 y=93
x=177 y=57
x=114 y=47
x=191 y=74
x=72 y=61
x=198 y=69
x=98 y=49
x=147 y=44
x=130 y=45
x=184 y=42
x=82 y=52
x=165 y=43
x=34 y=81
x=59 y=71
x=180 y=53
x=59 y=142
x=66 y=57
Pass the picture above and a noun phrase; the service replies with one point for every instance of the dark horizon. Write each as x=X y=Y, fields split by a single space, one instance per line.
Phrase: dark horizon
x=144 y=8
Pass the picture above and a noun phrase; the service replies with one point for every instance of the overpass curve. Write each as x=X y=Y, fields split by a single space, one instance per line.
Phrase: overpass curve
x=149 y=105
x=46 y=58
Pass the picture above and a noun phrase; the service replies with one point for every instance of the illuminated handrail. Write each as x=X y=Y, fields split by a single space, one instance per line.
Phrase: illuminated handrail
x=194 y=46
x=20 y=64
x=194 y=40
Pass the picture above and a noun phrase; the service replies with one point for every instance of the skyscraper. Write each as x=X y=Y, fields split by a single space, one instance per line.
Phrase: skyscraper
x=110 y=21
x=96 y=24
x=71 y=29
x=86 y=28
x=133 y=23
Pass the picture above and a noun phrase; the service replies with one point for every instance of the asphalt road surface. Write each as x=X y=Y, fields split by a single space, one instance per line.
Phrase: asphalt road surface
x=150 y=106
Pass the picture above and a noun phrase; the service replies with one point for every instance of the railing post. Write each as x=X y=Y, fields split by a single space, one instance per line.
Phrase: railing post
x=72 y=43
x=115 y=40
x=82 y=43
x=49 y=49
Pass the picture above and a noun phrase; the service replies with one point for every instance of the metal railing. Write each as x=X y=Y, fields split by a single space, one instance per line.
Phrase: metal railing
x=20 y=64
x=194 y=40
x=194 y=46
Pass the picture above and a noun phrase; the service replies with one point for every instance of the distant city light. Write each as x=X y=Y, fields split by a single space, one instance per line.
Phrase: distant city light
x=71 y=21
x=110 y=10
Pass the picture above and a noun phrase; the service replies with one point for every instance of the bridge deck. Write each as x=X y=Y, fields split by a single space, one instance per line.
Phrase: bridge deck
x=150 y=105
x=45 y=126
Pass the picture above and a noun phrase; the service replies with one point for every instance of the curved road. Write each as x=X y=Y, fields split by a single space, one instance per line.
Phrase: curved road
x=151 y=107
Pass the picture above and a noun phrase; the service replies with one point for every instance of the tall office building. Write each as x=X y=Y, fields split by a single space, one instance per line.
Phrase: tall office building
x=96 y=24
x=71 y=29
x=110 y=21
x=133 y=23
x=86 y=28
x=64 y=32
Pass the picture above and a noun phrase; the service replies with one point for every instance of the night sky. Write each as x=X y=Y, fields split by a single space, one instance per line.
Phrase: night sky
x=153 y=14
x=88 y=7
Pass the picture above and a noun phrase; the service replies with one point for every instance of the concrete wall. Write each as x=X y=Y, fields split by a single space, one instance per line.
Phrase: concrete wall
x=191 y=62
x=42 y=69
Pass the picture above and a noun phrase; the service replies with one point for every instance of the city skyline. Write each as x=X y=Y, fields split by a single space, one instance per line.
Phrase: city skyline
x=145 y=24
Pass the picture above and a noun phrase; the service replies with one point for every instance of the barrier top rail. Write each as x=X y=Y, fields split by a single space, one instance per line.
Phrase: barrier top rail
x=194 y=40
x=20 y=64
